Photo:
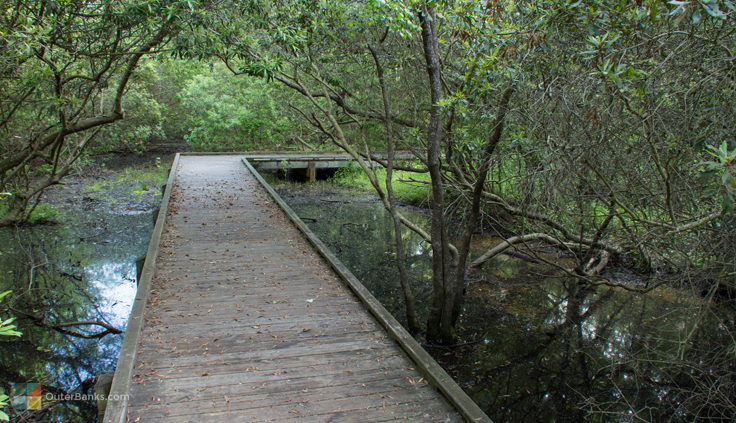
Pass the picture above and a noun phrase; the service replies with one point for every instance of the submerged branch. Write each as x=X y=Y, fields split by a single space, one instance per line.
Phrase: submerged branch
x=61 y=327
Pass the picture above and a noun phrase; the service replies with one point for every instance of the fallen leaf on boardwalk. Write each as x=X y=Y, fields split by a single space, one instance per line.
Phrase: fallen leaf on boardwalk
x=206 y=374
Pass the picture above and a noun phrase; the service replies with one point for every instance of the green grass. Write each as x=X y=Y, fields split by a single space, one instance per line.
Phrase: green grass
x=42 y=213
x=405 y=190
x=96 y=186
x=135 y=179
x=144 y=180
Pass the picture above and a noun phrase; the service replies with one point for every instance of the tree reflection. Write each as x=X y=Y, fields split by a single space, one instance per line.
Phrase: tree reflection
x=540 y=347
x=71 y=284
x=587 y=353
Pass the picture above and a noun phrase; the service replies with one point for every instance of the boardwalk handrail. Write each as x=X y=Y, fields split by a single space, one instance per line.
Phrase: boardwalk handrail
x=320 y=156
x=427 y=365
x=117 y=403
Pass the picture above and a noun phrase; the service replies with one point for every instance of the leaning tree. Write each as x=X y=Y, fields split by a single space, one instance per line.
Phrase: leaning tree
x=65 y=68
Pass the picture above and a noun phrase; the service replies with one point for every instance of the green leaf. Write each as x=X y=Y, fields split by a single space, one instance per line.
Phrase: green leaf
x=713 y=10
x=10 y=332
x=679 y=6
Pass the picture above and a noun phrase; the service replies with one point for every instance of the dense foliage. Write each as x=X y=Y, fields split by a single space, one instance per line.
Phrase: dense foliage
x=603 y=128
x=65 y=69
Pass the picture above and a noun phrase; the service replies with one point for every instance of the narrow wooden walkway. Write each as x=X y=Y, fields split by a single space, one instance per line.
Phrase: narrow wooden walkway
x=245 y=322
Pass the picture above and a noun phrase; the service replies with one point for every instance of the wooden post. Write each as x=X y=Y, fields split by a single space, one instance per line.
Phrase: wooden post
x=102 y=389
x=312 y=172
x=139 y=268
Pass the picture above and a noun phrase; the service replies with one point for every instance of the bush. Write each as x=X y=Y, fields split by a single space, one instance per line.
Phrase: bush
x=231 y=113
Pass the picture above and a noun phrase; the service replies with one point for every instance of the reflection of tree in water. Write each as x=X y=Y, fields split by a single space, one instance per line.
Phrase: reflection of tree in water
x=540 y=348
x=67 y=340
x=596 y=354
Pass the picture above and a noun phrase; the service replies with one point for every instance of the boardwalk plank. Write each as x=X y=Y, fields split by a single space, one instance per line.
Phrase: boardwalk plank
x=314 y=402
x=284 y=389
x=262 y=397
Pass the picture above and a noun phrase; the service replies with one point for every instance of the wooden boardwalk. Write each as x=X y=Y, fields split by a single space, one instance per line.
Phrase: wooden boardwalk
x=244 y=321
x=322 y=159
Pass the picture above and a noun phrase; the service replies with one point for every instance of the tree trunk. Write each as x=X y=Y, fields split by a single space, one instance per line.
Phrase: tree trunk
x=438 y=329
x=409 y=302
x=14 y=213
x=457 y=297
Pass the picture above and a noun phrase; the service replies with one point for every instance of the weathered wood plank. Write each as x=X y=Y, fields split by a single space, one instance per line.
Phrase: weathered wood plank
x=266 y=397
x=280 y=388
x=301 y=405
x=368 y=358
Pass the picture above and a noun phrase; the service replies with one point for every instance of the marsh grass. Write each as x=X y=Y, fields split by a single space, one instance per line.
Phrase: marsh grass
x=409 y=187
x=136 y=179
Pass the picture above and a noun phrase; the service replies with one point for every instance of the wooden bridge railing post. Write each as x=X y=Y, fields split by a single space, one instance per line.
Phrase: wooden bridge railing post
x=312 y=171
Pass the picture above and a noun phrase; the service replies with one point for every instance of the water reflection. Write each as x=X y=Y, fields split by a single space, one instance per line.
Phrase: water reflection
x=538 y=347
x=116 y=287
x=82 y=270
x=358 y=230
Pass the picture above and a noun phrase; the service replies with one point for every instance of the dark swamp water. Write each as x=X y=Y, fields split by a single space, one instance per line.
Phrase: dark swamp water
x=81 y=269
x=535 y=347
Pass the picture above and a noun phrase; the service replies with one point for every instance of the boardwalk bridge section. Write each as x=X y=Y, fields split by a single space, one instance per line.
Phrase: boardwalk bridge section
x=243 y=315
x=311 y=163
